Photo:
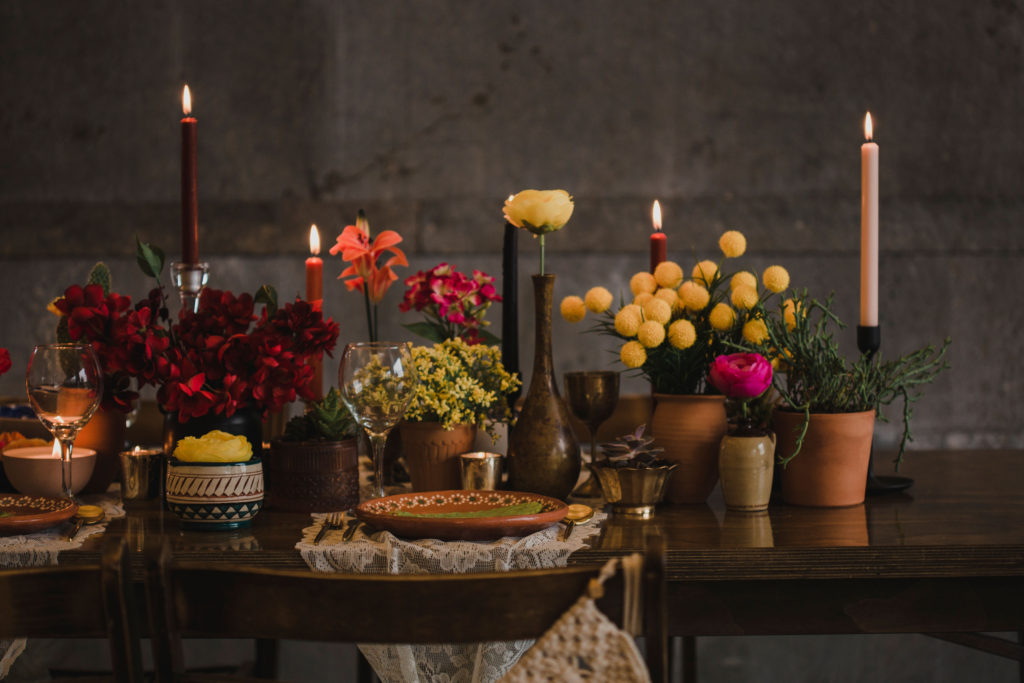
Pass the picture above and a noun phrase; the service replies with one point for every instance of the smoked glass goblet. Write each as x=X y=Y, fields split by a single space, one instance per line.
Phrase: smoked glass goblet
x=592 y=396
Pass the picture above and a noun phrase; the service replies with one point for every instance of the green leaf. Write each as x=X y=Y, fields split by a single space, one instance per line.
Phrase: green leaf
x=267 y=295
x=425 y=330
x=149 y=257
x=100 y=275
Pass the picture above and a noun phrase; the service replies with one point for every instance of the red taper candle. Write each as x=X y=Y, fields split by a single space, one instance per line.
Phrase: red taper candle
x=189 y=198
x=659 y=243
x=315 y=296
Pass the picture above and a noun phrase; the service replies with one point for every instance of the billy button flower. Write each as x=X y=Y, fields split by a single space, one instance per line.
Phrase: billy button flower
x=732 y=243
x=642 y=282
x=633 y=354
x=598 y=299
x=695 y=297
x=573 y=309
x=775 y=278
x=668 y=274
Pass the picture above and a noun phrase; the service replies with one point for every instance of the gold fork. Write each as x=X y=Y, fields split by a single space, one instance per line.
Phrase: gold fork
x=332 y=522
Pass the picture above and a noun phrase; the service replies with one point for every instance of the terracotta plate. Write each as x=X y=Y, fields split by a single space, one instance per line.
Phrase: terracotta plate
x=400 y=514
x=24 y=514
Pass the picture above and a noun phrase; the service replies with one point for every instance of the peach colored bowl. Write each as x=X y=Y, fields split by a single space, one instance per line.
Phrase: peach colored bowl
x=35 y=471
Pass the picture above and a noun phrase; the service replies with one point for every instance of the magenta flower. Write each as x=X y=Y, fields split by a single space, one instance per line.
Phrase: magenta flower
x=741 y=375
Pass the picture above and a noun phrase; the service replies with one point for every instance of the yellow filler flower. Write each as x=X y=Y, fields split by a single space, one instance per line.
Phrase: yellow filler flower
x=755 y=331
x=598 y=299
x=744 y=298
x=633 y=354
x=573 y=309
x=682 y=334
x=732 y=243
x=668 y=274
x=722 y=317
x=775 y=278
x=627 y=320
x=651 y=334
x=658 y=311
x=694 y=296
x=744 y=277
x=704 y=272
x=642 y=282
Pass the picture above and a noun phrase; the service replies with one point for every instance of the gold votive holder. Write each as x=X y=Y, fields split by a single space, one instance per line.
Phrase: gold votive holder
x=480 y=470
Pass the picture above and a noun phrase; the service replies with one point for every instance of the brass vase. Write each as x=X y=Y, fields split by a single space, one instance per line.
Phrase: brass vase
x=543 y=453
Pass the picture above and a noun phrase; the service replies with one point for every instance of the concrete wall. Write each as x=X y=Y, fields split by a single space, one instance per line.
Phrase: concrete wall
x=427 y=114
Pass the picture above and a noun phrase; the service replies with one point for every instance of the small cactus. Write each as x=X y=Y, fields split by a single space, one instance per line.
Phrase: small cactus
x=326 y=420
x=633 y=450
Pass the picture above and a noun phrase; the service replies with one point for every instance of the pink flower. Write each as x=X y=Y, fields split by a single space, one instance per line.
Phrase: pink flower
x=741 y=375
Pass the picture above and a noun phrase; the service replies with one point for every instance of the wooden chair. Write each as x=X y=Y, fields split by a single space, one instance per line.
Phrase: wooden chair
x=87 y=601
x=202 y=600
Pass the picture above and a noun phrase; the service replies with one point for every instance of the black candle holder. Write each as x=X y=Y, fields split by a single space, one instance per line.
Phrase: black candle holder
x=869 y=339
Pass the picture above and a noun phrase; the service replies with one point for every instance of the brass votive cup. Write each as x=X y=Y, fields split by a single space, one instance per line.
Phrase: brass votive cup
x=141 y=474
x=480 y=470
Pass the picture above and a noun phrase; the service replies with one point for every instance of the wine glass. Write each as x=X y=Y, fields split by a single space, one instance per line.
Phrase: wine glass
x=592 y=396
x=377 y=380
x=64 y=386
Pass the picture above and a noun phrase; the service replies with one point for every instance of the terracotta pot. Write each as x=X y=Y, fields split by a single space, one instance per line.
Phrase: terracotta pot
x=831 y=468
x=543 y=453
x=432 y=453
x=104 y=433
x=690 y=429
x=745 y=466
x=312 y=476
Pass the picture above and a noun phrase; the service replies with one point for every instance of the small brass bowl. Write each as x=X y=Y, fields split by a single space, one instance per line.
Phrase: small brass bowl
x=633 y=491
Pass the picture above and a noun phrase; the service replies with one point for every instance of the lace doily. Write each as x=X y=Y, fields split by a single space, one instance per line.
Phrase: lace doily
x=41 y=549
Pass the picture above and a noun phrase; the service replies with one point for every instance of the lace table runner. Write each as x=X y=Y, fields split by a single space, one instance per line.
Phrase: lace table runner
x=41 y=549
x=382 y=552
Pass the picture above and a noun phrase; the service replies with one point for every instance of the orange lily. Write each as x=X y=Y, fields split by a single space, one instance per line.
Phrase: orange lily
x=364 y=274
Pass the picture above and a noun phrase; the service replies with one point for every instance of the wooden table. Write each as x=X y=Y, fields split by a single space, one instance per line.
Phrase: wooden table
x=946 y=556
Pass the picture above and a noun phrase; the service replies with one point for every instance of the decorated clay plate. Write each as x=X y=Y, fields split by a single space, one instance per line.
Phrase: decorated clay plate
x=24 y=514
x=462 y=515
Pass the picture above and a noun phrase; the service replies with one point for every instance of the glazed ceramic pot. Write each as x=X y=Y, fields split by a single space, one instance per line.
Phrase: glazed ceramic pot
x=745 y=466
x=432 y=453
x=831 y=469
x=543 y=453
x=633 y=491
x=312 y=476
x=690 y=429
x=215 y=495
x=104 y=433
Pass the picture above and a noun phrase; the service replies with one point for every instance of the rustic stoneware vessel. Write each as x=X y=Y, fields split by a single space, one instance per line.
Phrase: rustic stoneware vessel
x=215 y=495
x=745 y=466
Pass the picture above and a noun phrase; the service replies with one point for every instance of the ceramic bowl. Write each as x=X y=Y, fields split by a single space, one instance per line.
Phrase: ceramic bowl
x=215 y=495
x=35 y=470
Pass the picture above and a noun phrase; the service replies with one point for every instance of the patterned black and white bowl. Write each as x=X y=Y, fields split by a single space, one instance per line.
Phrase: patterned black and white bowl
x=215 y=495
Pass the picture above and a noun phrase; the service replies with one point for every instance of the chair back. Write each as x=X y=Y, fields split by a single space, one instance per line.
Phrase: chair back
x=86 y=601
x=204 y=600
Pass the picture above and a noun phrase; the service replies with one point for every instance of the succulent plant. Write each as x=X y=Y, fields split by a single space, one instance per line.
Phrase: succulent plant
x=326 y=420
x=633 y=450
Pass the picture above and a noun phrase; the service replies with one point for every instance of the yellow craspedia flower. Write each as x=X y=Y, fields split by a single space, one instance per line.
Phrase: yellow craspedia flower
x=669 y=296
x=682 y=334
x=789 y=314
x=732 y=243
x=598 y=299
x=668 y=274
x=215 y=446
x=744 y=277
x=775 y=278
x=722 y=317
x=705 y=272
x=633 y=354
x=694 y=296
x=651 y=334
x=744 y=297
x=627 y=320
x=642 y=282
x=573 y=309
x=642 y=298
x=755 y=331
x=658 y=311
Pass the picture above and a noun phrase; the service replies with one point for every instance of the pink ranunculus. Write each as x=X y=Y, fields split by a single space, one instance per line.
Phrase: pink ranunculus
x=741 y=375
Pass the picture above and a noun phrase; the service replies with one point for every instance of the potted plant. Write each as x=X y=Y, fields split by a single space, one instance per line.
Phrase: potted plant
x=828 y=405
x=461 y=388
x=314 y=467
x=632 y=474
x=672 y=330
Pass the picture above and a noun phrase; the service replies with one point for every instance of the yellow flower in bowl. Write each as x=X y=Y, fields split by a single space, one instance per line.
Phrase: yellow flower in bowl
x=215 y=446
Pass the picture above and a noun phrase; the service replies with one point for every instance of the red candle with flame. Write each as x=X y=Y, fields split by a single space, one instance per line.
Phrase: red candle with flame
x=189 y=200
x=659 y=243
x=315 y=296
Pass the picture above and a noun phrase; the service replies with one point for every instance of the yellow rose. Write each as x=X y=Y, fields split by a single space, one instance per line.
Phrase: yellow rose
x=704 y=272
x=633 y=354
x=722 y=317
x=669 y=296
x=598 y=299
x=539 y=211
x=743 y=278
x=732 y=243
x=658 y=311
x=215 y=446
x=627 y=320
x=682 y=334
x=775 y=278
x=668 y=274
x=694 y=296
x=755 y=331
x=651 y=334
x=744 y=297
x=573 y=309
x=642 y=282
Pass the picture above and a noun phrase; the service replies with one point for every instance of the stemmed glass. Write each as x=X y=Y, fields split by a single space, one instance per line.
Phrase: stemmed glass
x=592 y=396
x=377 y=380
x=64 y=386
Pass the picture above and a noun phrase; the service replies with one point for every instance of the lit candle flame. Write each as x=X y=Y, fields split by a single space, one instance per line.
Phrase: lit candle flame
x=868 y=128
x=55 y=451
x=186 y=101
x=314 y=240
x=656 y=215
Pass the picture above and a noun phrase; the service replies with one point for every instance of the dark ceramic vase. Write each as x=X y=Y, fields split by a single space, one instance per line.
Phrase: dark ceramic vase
x=544 y=455
x=247 y=422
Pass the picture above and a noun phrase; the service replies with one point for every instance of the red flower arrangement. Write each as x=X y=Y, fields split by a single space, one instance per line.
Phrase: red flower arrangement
x=453 y=303
x=214 y=361
x=5 y=361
